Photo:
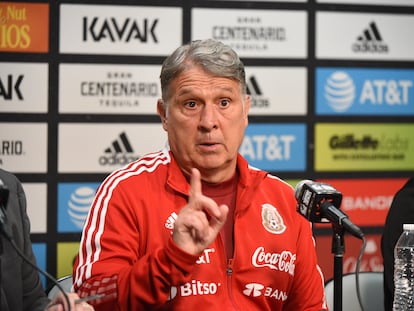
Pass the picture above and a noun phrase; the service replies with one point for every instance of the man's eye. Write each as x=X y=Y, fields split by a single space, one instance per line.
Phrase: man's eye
x=191 y=104
x=224 y=102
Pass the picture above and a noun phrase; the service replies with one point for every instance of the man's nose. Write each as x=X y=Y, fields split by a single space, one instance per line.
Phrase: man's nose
x=208 y=117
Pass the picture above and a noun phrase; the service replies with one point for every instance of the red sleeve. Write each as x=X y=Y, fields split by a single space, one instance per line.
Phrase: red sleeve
x=109 y=260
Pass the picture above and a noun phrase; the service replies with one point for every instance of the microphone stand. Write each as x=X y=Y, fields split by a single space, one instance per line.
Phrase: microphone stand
x=338 y=249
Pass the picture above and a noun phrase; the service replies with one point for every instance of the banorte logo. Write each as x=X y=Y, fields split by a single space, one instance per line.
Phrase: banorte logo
x=79 y=204
x=339 y=91
x=257 y=290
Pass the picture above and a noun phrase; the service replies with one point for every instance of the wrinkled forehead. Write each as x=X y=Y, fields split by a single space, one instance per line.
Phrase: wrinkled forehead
x=191 y=74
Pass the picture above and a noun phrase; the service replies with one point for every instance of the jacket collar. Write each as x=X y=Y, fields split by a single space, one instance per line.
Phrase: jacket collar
x=249 y=177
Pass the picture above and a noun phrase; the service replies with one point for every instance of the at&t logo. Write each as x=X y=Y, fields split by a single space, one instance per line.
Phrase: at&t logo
x=339 y=91
x=79 y=204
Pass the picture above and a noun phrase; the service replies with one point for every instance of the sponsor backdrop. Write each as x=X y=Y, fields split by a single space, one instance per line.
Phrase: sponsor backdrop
x=332 y=86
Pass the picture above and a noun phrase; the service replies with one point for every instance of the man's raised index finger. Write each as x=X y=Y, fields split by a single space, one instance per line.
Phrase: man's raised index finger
x=195 y=183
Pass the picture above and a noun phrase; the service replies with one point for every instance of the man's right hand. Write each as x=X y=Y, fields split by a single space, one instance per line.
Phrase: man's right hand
x=199 y=222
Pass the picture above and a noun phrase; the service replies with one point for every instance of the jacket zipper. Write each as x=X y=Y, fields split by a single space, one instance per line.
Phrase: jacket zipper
x=229 y=271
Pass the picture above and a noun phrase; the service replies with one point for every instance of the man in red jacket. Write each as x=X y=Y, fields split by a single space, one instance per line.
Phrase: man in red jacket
x=194 y=226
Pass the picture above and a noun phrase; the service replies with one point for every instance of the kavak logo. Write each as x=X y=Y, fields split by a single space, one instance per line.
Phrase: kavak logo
x=119 y=29
x=119 y=153
x=23 y=87
x=10 y=87
x=370 y=41
x=110 y=29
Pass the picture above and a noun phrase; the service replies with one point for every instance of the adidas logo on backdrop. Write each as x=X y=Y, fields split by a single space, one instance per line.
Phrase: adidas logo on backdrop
x=257 y=98
x=370 y=41
x=120 y=145
x=120 y=152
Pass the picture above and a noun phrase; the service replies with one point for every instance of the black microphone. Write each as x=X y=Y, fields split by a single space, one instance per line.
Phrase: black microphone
x=317 y=202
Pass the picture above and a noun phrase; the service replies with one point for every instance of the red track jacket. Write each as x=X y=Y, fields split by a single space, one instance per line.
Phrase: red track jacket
x=127 y=252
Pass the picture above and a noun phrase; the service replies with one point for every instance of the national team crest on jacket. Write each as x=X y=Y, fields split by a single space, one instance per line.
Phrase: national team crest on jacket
x=271 y=219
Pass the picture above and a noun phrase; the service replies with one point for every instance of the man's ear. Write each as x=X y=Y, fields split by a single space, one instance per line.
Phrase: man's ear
x=162 y=112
